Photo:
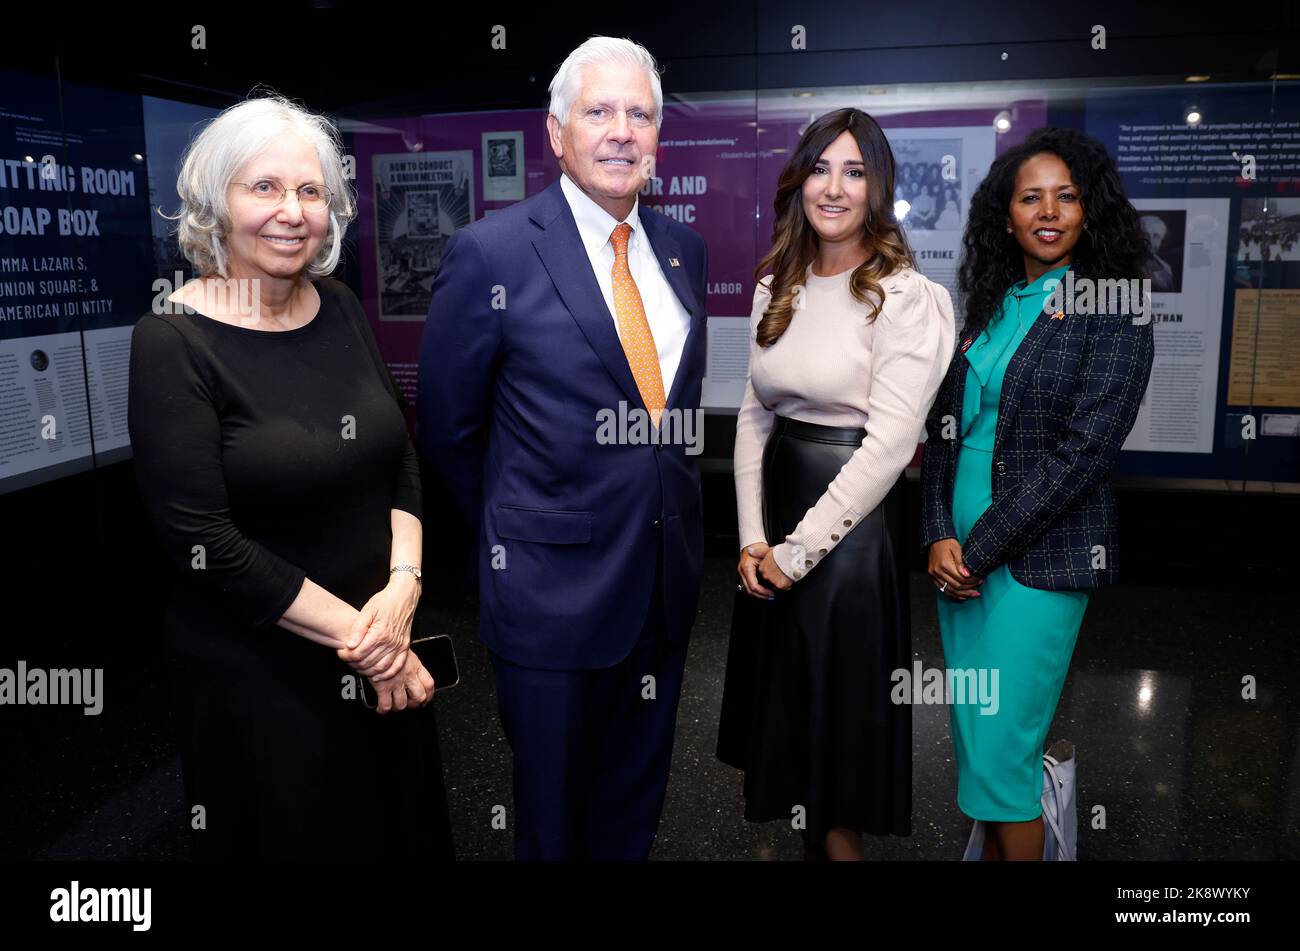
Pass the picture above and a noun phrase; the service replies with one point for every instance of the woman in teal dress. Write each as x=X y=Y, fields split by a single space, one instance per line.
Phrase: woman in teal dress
x=1026 y=634
x=1018 y=511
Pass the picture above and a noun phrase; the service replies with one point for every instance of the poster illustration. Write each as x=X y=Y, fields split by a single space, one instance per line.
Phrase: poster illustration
x=421 y=200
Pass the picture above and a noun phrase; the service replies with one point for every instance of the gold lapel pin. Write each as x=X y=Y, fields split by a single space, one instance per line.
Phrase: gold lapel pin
x=673 y=262
x=1059 y=315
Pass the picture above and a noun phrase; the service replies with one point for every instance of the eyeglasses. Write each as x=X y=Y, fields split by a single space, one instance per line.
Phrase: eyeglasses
x=267 y=191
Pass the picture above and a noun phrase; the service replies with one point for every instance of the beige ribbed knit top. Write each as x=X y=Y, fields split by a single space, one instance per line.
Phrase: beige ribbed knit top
x=833 y=367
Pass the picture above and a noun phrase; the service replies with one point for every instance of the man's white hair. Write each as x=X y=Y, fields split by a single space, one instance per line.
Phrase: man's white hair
x=567 y=83
x=228 y=143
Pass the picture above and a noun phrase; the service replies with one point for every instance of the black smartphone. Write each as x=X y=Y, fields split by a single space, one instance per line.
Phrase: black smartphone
x=437 y=655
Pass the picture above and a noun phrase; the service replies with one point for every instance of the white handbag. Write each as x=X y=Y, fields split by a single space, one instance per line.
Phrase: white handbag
x=1060 y=815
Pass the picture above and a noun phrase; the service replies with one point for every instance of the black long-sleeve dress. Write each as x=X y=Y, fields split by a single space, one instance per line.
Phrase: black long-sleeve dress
x=264 y=458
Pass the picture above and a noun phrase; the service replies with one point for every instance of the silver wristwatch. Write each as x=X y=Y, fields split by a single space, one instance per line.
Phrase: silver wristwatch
x=411 y=568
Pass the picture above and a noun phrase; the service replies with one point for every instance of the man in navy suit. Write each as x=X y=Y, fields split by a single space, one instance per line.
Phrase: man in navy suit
x=571 y=308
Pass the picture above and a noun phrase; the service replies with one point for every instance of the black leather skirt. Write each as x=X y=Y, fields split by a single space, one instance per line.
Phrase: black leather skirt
x=806 y=709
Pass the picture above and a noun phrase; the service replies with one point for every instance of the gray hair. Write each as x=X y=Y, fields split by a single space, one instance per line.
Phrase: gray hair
x=567 y=83
x=227 y=144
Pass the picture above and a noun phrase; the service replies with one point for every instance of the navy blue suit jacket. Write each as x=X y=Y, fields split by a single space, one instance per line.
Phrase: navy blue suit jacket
x=1069 y=399
x=520 y=354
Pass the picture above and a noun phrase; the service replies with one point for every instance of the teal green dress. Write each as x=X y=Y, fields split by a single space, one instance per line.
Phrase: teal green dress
x=1020 y=638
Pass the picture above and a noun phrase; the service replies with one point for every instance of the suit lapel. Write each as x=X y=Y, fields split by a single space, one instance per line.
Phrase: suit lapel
x=1022 y=364
x=565 y=259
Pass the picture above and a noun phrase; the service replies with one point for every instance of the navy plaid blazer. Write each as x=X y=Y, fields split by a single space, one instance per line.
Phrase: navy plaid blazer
x=1069 y=399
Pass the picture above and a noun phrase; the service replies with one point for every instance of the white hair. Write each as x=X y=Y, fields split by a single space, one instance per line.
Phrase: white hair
x=567 y=83
x=228 y=143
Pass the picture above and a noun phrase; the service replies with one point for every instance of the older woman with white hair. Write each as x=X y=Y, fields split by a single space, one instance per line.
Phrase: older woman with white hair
x=273 y=461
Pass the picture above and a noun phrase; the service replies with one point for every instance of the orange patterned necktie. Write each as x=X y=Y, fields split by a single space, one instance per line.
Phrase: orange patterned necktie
x=634 y=329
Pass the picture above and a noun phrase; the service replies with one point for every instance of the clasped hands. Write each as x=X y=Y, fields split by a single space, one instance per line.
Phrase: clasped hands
x=378 y=646
x=948 y=569
x=757 y=566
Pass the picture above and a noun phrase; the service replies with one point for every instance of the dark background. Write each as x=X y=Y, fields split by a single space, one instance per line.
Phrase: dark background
x=84 y=583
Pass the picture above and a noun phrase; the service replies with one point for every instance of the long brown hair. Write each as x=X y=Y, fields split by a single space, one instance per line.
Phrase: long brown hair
x=794 y=242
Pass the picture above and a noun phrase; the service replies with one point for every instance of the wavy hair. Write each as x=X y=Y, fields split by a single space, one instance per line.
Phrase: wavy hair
x=794 y=241
x=1113 y=245
x=226 y=144
x=566 y=85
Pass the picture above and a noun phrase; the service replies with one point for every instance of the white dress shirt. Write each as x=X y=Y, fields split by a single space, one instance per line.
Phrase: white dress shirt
x=668 y=318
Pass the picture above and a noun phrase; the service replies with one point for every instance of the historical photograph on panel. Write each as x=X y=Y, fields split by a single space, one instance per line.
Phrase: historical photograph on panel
x=503 y=166
x=928 y=178
x=1269 y=232
x=1164 y=229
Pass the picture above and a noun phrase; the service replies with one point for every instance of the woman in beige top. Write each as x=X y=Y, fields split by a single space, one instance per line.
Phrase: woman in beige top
x=850 y=345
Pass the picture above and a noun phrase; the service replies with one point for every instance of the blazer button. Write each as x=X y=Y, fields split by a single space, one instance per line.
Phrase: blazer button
x=658 y=524
x=1001 y=467
x=659 y=447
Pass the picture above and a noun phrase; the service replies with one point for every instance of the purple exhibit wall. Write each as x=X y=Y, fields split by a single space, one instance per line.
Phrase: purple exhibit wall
x=712 y=176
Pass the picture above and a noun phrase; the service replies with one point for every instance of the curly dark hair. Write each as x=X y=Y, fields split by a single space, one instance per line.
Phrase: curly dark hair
x=1113 y=246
